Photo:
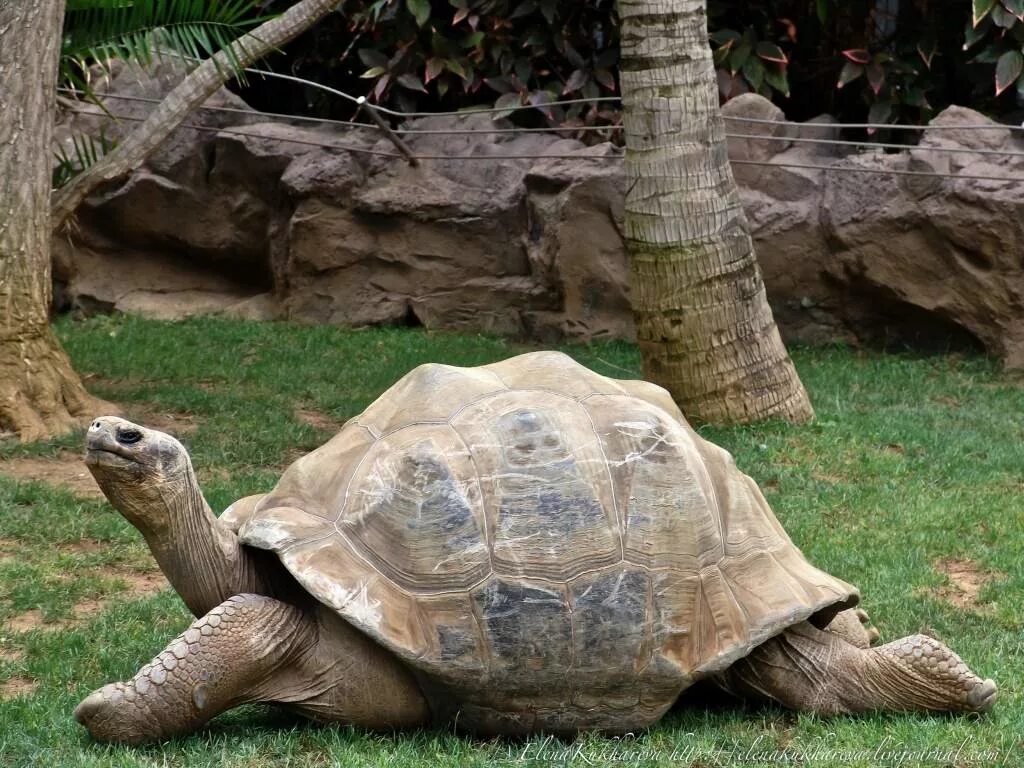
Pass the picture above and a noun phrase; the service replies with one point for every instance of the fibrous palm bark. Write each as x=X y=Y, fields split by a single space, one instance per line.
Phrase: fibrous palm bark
x=705 y=329
x=39 y=392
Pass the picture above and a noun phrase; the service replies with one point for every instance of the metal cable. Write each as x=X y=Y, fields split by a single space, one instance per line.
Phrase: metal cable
x=584 y=128
x=617 y=156
x=879 y=126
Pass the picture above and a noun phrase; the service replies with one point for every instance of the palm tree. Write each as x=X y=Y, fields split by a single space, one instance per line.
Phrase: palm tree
x=705 y=329
x=40 y=394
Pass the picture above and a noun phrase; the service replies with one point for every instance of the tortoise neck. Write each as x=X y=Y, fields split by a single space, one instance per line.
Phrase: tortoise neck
x=199 y=555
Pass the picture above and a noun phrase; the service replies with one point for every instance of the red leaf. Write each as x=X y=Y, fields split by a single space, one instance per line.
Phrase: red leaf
x=857 y=55
x=790 y=29
x=460 y=15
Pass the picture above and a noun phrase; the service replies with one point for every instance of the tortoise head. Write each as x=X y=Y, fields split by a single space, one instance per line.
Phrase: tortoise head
x=141 y=471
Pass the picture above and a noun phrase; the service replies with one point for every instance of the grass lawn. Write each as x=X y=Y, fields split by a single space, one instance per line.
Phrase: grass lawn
x=910 y=484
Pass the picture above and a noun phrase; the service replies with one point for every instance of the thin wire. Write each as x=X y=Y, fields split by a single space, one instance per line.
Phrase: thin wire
x=890 y=171
x=457 y=113
x=581 y=128
x=354 y=124
x=233 y=110
x=347 y=148
x=885 y=126
x=494 y=110
x=236 y=132
x=879 y=145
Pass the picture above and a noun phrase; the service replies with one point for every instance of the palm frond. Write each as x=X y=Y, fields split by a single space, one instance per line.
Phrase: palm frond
x=99 y=31
x=85 y=152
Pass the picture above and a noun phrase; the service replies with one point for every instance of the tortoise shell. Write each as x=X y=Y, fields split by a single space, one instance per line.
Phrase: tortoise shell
x=547 y=547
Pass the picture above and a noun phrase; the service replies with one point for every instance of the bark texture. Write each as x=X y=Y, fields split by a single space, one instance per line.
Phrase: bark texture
x=40 y=394
x=705 y=329
x=198 y=86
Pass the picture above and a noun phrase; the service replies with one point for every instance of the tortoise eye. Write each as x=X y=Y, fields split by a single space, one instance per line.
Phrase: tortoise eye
x=129 y=436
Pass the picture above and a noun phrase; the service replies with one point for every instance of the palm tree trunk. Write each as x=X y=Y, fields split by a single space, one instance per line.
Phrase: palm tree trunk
x=196 y=88
x=705 y=329
x=39 y=392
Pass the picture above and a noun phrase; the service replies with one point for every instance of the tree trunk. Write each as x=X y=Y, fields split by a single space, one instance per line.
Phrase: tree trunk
x=40 y=394
x=196 y=88
x=705 y=329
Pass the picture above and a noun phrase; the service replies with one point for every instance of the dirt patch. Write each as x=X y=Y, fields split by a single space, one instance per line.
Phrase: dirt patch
x=17 y=686
x=66 y=470
x=166 y=421
x=966 y=580
x=10 y=656
x=83 y=547
x=138 y=584
x=27 y=621
x=316 y=419
x=8 y=548
x=141 y=583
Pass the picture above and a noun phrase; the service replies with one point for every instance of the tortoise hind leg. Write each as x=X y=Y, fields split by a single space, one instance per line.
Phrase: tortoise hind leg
x=256 y=649
x=808 y=669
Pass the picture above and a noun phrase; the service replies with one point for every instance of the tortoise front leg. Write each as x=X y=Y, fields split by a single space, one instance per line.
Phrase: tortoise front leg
x=256 y=649
x=852 y=626
x=807 y=669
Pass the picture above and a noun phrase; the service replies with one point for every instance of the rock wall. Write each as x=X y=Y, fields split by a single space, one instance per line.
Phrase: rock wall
x=272 y=224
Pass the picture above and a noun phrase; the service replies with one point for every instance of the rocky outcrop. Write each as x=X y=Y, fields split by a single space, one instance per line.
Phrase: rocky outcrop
x=322 y=225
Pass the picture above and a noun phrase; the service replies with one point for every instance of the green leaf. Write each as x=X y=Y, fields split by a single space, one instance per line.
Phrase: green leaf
x=372 y=58
x=739 y=56
x=1016 y=7
x=605 y=78
x=879 y=113
x=508 y=102
x=981 y=9
x=435 y=67
x=1008 y=69
x=989 y=54
x=771 y=52
x=849 y=73
x=975 y=33
x=420 y=9
x=753 y=70
x=926 y=48
x=724 y=36
x=373 y=72
x=411 y=81
x=876 y=76
x=777 y=79
x=1003 y=18
x=821 y=6
x=576 y=80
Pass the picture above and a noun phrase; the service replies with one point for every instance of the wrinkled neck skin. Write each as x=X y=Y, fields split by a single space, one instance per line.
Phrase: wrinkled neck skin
x=200 y=556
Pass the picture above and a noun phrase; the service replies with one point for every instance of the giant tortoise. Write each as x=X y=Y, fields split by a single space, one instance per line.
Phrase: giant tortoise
x=524 y=546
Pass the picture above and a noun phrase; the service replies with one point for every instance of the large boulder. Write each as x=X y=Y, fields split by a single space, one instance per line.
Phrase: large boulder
x=326 y=225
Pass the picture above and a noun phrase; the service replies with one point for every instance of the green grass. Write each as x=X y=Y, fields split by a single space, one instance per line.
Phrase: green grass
x=911 y=460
